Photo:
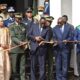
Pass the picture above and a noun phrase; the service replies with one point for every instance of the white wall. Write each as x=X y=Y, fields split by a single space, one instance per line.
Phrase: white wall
x=76 y=12
x=55 y=10
x=59 y=8
x=66 y=8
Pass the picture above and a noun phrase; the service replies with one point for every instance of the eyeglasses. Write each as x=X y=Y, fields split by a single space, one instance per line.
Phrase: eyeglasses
x=29 y=11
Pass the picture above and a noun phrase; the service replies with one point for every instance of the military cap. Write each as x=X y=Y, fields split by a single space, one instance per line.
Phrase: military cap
x=11 y=9
x=29 y=9
x=18 y=15
x=49 y=18
x=3 y=6
x=41 y=8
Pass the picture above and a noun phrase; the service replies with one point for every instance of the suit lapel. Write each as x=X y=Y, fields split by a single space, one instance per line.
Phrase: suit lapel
x=65 y=31
x=59 y=31
x=38 y=29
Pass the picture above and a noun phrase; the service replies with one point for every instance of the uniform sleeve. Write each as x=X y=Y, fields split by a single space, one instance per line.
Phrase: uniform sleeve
x=71 y=34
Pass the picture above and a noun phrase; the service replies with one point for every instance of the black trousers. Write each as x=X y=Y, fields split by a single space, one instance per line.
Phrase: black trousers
x=39 y=56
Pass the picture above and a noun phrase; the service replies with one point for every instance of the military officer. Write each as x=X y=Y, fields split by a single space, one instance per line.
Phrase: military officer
x=48 y=22
x=40 y=13
x=18 y=35
x=11 y=19
x=4 y=13
x=28 y=22
x=28 y=18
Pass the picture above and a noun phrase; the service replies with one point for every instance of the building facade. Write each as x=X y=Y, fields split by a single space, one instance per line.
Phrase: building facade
x=57 y=8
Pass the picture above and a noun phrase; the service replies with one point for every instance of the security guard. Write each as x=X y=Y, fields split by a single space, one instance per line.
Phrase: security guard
x=40 y=13
x=49 y=20
x=28 y=18
x=18 y=35
x=4 y=13
x=11 y=19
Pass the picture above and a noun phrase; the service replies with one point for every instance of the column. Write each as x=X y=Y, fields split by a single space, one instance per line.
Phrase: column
x=66 y=9
x=55 y=10
x=76 y=12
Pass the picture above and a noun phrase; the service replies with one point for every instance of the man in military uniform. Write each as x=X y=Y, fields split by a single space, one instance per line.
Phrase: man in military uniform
x=40 y=13
x=50 y=47
x=28 y=22
x=28 y=18
x=4 y=13
x=11 y=19
x=18 y=35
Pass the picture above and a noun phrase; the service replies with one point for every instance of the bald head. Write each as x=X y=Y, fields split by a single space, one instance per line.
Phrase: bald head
x=60 y=21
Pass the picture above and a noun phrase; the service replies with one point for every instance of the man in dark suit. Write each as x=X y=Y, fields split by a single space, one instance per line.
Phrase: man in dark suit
x=37 y=34
x=62 y=33
x=65 y=19
x=49 y=55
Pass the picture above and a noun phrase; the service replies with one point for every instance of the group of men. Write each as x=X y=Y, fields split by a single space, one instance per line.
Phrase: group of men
x=36 y=35
x=20 y=30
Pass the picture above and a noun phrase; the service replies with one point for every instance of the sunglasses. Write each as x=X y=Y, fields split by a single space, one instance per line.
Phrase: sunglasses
x=59 y=23
x=29 y=11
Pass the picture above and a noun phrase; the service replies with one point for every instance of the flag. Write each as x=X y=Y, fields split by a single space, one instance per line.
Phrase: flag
x=46 y=8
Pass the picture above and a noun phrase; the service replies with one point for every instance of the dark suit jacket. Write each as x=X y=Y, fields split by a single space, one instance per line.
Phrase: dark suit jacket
x=27 y=23
x=35 y=31
x=59 y=36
